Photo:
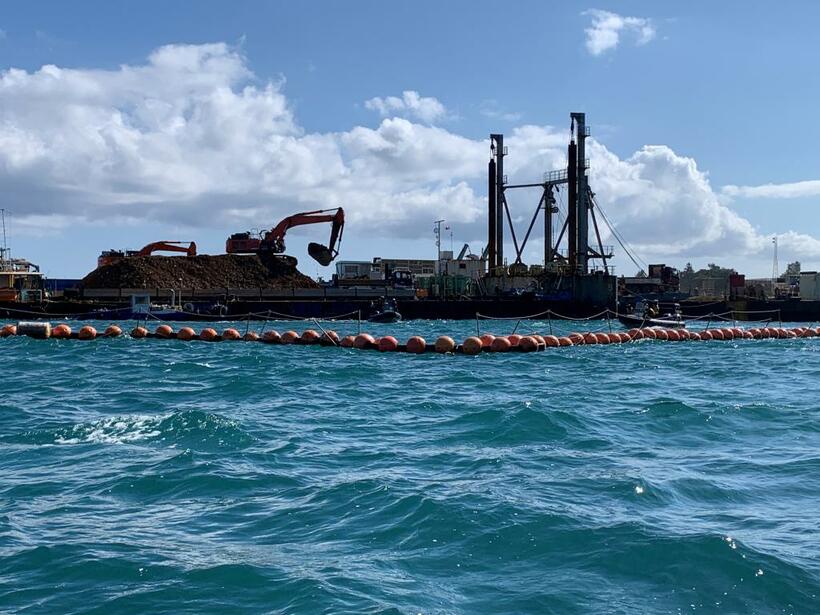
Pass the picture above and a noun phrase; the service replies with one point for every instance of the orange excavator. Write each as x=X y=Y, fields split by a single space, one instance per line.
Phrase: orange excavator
x=109 y=257
x=273 y=241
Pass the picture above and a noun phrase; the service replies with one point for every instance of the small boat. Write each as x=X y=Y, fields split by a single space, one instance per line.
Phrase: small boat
x=386 y=312
x=668 y=321
x=642 y=318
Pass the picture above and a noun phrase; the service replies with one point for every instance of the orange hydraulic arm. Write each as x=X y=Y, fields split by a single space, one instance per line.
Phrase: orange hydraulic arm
x=168 y=246
x=273 y=241
x=275 y=238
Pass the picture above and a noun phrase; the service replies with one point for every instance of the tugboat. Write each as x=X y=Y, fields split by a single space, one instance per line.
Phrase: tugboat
x=386 y=311
x=650 y=316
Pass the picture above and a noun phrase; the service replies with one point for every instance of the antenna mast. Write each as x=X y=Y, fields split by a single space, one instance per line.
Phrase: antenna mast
x=5 y=249
x=775 y=268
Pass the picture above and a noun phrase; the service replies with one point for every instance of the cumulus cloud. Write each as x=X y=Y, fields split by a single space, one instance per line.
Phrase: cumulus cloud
x=792 y=190
x=193 y=137
x=606 y=29
x=411 y=104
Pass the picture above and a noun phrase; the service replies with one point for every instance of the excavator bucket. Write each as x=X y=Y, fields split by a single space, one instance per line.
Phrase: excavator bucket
x=321 y=254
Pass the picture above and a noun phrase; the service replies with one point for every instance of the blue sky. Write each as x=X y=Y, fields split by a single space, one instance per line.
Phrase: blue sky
x=730 y=88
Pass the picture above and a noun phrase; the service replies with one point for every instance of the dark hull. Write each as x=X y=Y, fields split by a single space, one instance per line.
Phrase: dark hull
x=388 y=316
x=352 y=309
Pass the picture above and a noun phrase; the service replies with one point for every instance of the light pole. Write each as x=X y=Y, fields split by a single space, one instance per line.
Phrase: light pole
x=437 y=231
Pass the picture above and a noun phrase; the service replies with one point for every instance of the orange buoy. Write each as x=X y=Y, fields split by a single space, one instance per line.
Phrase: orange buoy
x=717 y=334
x=347 y=341
x=755 y=333
x=684 y=334
x=272 y=337
x=565 y=341
x=163 y=331
x=705 y=335
x=649 y=334
x=747 y=335
x=695 y=337
x=601 y=338
x=289 y=337
x=514 y=339
x=473 y=345
x=501 y=344
x=661 y=334
x=139 y=332
x=540 y=339
x=672 y=335
x=331 y=337
x=728 y=333
x=445 y=344
x=635 y=334
x=551 y=341
x=363 y=340
x=529 y=344
x=388 y=343
x=590 y=338
x=87 y=333
x=9 y=330
x=230 y=334
x=808 y=332
x=309 y=336
x=416 y=344
x=208 y=335
x=791 y=334
x=817 y=331
x=487 y=340
x=61 y=331
x=576 y=338
x=110 y=331
x=251 y=336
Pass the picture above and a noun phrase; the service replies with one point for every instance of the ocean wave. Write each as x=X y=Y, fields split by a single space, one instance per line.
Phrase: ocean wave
x=189 y=428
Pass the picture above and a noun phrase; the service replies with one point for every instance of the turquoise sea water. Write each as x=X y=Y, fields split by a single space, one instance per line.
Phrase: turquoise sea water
x=162 y=476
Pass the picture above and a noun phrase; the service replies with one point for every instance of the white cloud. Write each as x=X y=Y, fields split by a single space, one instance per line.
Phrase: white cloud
x=424 y=108
x=191 y=137
x=605 y=32
x=775 y=191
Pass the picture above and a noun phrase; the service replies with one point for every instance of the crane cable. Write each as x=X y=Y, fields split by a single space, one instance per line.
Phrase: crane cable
x=623 y=243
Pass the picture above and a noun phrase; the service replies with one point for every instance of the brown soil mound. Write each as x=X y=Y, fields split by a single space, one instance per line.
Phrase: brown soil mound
x=221 y=271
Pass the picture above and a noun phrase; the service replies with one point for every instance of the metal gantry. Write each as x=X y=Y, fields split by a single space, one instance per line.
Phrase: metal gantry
x=580 y=206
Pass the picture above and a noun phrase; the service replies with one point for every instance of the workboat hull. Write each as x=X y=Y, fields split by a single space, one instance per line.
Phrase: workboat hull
x=386 y=316
x=639 y=322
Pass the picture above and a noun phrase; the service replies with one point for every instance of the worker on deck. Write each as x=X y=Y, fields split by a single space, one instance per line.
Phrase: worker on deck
x=652 y=310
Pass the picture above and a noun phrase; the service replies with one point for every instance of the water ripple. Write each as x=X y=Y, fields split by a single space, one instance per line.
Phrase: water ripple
x=143 y=476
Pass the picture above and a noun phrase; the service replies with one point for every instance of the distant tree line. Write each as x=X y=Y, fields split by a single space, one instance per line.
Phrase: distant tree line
x=714 y=278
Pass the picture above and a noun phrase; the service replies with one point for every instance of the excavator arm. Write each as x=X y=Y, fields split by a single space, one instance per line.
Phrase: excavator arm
x=273 y=241
x=169 y=246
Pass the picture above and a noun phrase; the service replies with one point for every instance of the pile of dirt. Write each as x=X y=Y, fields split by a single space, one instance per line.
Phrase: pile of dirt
x=221 y=271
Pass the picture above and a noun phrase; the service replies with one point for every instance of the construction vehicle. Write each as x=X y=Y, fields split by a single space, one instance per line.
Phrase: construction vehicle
x=109 y=257
x=273 y=241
